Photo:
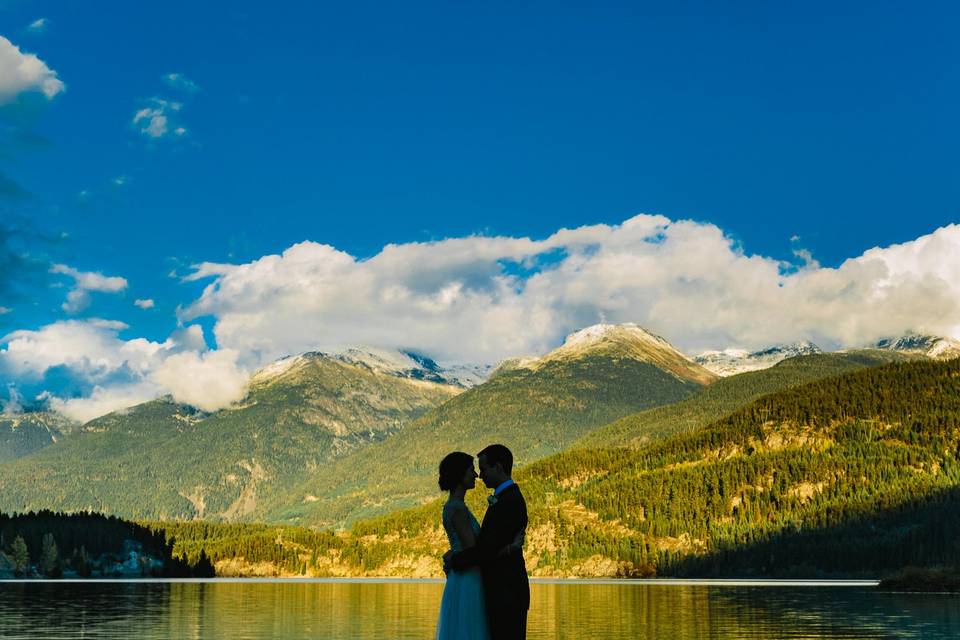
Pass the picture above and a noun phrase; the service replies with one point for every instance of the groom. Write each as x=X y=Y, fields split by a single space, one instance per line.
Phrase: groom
x=505 y=584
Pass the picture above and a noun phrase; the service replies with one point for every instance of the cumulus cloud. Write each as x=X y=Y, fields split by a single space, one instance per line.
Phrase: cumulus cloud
x=78 y=298
x=91 y=348
x=122 y=372
x=104 y=400
x=23 y=73
x=207 y=381
x=485 y=298
x=157 y=120
x=144 y=303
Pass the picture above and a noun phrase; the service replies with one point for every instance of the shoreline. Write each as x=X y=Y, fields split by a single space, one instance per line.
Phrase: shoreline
x=667 y=582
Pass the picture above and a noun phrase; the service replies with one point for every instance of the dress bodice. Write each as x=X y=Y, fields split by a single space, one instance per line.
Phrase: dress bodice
x=448 y=510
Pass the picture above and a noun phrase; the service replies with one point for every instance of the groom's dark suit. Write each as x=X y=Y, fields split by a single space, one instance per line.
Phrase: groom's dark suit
x=505 y=583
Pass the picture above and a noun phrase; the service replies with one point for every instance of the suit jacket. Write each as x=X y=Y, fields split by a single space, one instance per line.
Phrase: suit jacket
x=504 y=576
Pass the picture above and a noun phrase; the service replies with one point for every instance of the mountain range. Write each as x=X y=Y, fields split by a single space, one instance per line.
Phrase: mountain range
x=161 y=459
x=855 y=474
x=326 y=440
x=733 y=361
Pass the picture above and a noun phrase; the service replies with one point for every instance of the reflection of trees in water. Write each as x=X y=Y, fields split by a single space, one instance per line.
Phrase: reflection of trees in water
x=661 y=611
x=825 y=612
x=298 y=610
x=408 y=610
x=67 y=610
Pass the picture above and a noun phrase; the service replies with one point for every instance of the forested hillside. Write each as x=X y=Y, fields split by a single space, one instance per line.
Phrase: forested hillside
x=24 y=433
x=851 y=475
x=728 y=394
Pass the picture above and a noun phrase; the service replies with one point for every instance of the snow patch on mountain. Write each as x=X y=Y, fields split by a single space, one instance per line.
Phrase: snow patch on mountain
x=598 y=332
x=276 y=368
x=936 y=347
x=730 y=362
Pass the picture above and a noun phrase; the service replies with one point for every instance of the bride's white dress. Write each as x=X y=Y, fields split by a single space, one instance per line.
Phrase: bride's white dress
x=462 y=610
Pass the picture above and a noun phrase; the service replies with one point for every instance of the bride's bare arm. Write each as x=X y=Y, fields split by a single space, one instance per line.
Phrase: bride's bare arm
x=461 y=524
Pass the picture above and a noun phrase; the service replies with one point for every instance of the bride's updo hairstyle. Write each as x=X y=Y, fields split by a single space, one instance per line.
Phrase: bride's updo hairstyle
x=452 y=469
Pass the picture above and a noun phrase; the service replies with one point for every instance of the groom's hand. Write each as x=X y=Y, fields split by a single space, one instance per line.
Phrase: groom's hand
x=446 y=562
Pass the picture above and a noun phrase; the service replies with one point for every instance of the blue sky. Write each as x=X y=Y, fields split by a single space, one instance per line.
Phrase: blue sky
x=363 y=124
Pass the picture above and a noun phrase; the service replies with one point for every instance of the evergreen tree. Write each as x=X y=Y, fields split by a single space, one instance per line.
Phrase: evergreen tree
x=203 y=568
x=20 y=556
x=84 y=570
x=49 y=558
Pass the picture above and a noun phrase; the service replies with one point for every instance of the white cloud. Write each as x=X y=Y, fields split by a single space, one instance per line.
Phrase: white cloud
x=14 y=403
x=104 y=400
x=482 y=298
x=5 y=310
x=25 y=72
x=155 y=121
x=38 y=26
x=122 y=372
x=90 y=348
x=485 y=298
x=180 y=82
x=144 y=303
x=207 y=381
x=78 y=298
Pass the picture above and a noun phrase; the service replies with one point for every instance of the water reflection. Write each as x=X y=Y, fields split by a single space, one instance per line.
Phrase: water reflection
x=408 y=610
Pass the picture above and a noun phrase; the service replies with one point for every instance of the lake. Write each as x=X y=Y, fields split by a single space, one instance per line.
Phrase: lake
x=382 y=610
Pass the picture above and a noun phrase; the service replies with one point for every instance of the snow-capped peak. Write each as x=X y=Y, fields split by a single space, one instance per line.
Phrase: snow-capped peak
x=599 y=332
x=402 y=364
x=617 y=341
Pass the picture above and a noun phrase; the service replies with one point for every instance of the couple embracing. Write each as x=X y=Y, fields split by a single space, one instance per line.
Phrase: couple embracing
x=487 y=594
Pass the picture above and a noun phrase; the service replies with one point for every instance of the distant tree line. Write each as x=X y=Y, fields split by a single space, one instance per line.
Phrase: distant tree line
x=54 y=542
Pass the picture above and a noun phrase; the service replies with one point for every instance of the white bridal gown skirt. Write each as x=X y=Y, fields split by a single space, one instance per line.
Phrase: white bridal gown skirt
x=462 y=610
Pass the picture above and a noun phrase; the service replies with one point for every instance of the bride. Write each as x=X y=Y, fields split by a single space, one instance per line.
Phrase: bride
x=462 y=609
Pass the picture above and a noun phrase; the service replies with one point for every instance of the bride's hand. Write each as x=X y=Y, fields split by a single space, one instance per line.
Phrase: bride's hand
x=516 y=545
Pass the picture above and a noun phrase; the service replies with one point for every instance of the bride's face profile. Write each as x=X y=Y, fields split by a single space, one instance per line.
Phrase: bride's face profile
x=469 y=478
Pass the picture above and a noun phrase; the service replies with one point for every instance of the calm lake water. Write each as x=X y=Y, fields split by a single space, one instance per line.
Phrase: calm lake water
x=408 y=610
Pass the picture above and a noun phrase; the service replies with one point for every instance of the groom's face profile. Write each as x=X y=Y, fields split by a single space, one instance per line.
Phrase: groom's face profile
x=488 y=474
